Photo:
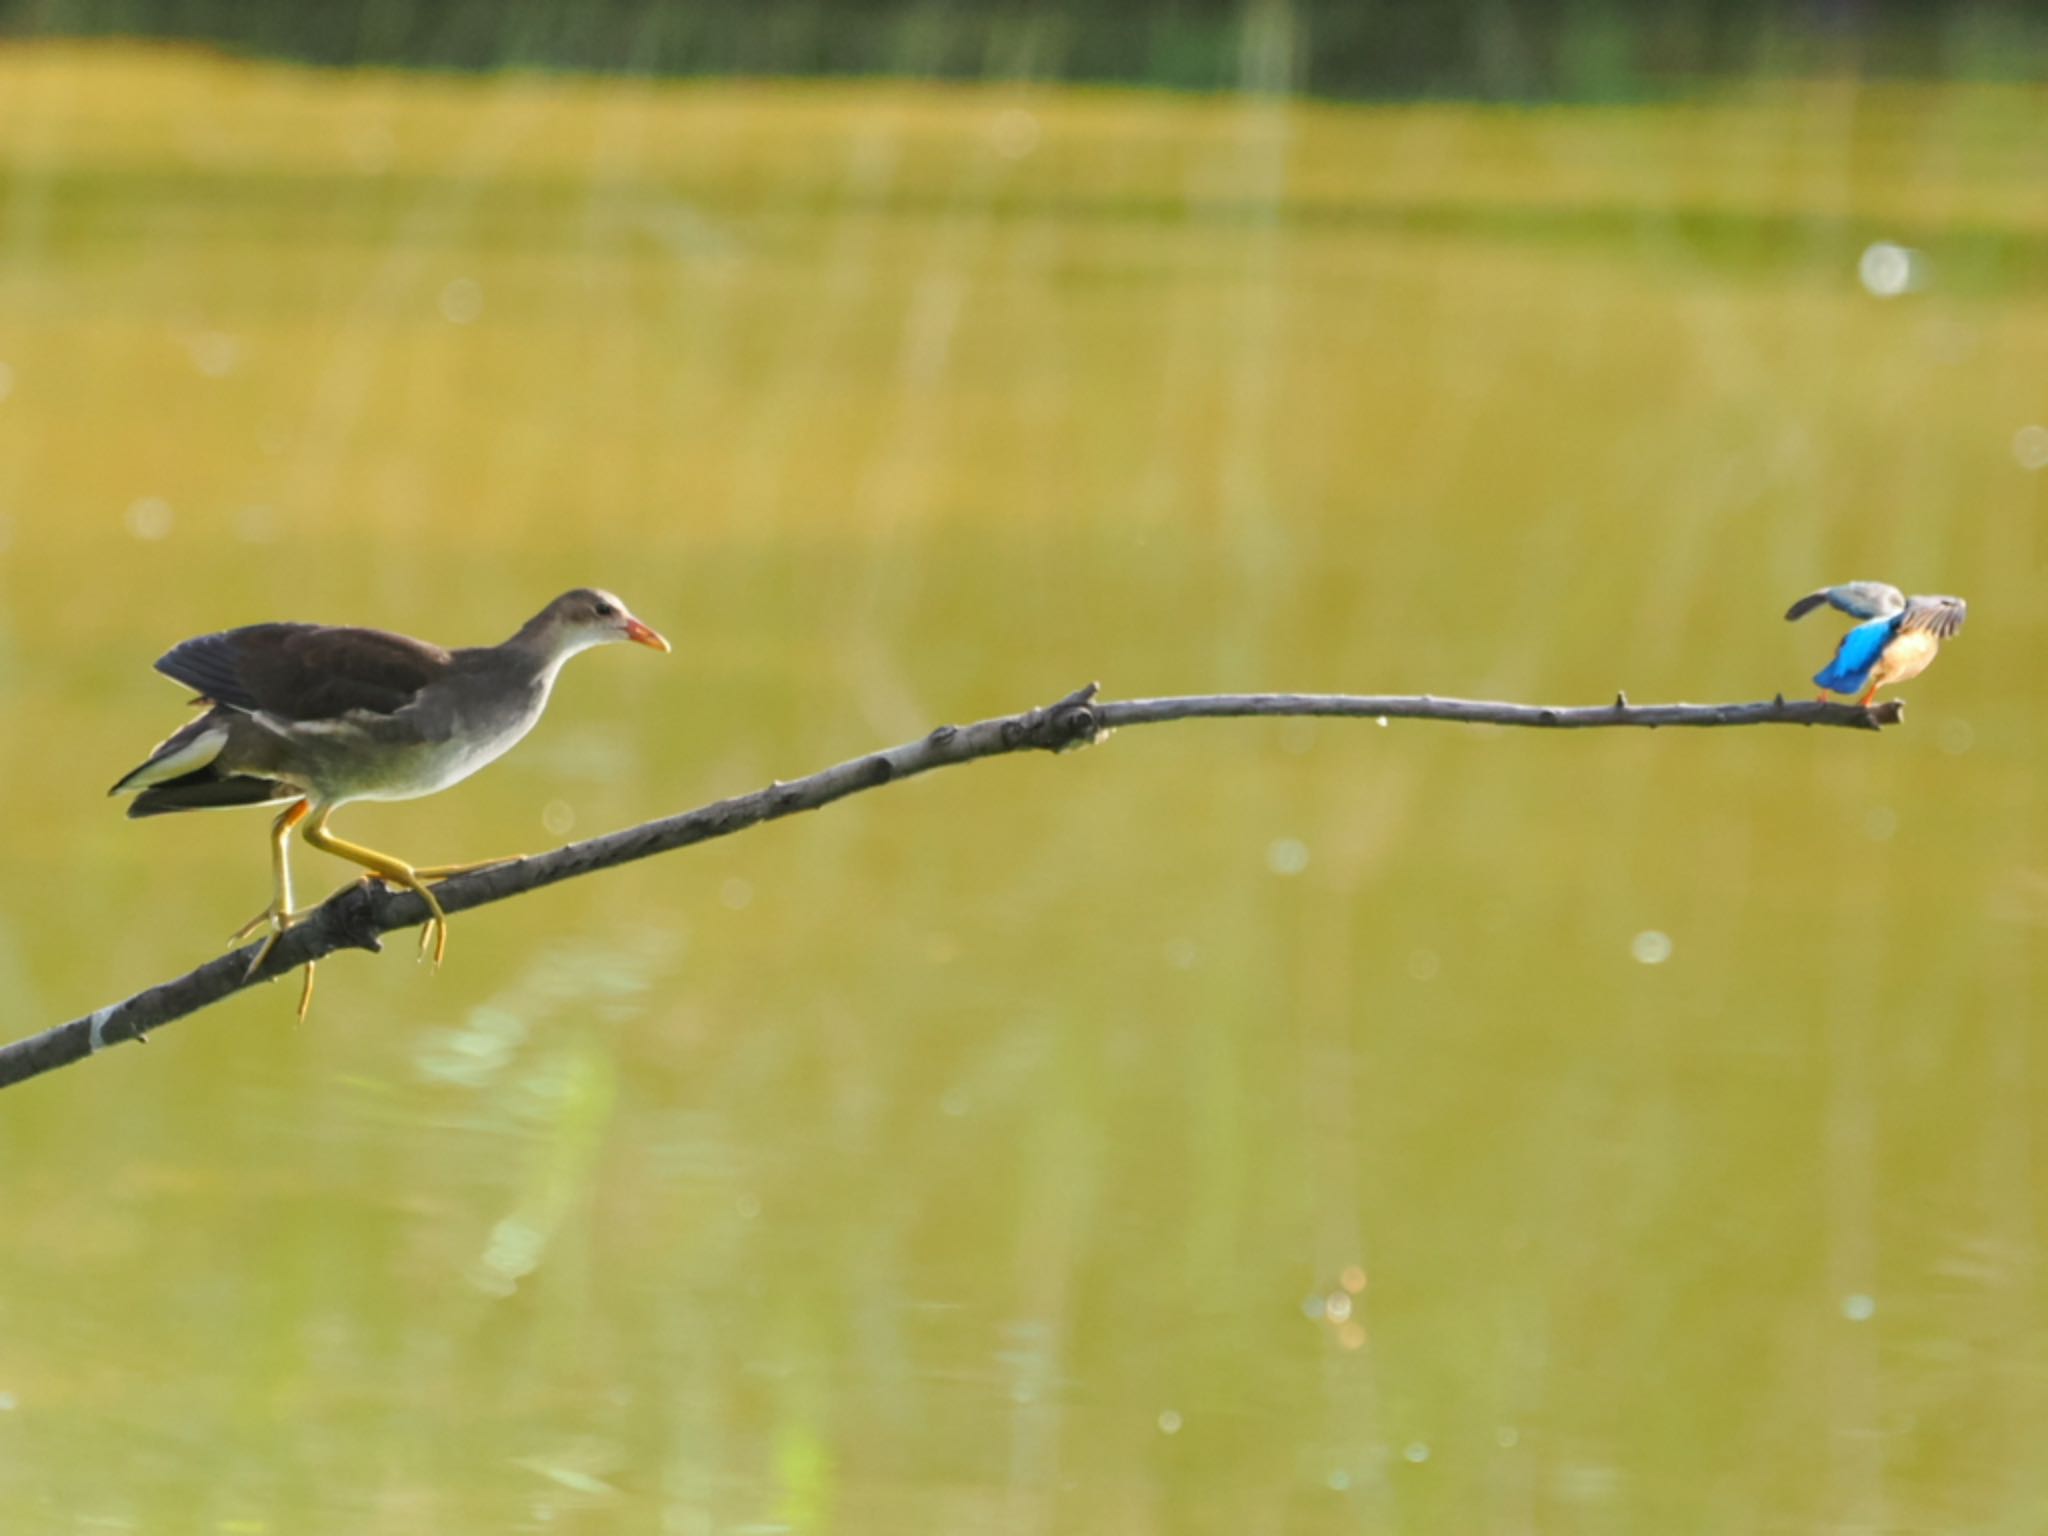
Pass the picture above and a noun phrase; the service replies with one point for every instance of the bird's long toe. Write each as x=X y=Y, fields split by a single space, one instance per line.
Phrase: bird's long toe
x=434 y=935
x=273 y=917
x=450 y=871
x=278 y=922
x=434 y=932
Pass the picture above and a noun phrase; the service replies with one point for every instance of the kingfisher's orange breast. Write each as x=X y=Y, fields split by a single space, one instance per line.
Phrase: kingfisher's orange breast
x=1906 y=657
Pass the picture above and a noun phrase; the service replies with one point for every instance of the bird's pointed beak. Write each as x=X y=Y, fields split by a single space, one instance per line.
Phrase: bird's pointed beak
x=640 y=634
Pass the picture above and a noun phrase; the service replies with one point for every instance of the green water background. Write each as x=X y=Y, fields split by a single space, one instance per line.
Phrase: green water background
x=1237 y=1127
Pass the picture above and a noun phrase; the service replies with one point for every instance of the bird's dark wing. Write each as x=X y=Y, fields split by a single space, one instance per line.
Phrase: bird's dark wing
x=1859 y=599
x=306 y=671
x=1942 y=615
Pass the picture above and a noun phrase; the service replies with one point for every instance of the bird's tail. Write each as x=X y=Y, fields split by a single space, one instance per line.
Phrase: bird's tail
x=180 y=775
x=191 y=746
x=206 y=790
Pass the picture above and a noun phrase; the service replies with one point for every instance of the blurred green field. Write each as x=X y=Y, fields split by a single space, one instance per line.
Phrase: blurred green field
x=994 y=1153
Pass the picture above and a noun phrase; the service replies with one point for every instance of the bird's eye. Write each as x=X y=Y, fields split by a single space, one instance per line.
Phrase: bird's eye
x=607 y=611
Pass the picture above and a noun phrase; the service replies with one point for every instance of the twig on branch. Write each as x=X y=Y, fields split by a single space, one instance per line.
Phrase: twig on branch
x=357 y=916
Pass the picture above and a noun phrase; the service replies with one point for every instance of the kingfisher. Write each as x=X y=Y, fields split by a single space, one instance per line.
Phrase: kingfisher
x=1897 y=639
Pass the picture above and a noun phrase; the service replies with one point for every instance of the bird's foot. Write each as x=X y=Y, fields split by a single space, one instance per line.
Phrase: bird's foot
x=449 y=871
x=279 y=922
x=269 y=916
x=434 y=932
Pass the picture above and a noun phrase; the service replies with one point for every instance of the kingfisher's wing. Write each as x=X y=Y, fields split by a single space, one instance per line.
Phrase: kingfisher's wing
x=1858 y=599
x=1849 y=671
x=1941 y=616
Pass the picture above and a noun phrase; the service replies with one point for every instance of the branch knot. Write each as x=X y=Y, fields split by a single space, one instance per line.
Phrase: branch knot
x=354 y=918
x=1066 y=725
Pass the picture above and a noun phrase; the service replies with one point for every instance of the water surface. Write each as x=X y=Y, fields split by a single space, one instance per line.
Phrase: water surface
x=1236 y=1127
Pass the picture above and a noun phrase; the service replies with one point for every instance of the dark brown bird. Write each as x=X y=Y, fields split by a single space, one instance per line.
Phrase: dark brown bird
x=312 y=716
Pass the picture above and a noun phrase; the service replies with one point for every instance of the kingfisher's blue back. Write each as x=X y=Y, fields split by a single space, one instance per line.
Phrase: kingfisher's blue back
x=1856 y=655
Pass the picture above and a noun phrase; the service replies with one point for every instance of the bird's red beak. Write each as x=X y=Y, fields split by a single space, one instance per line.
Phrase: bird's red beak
x=640 y=634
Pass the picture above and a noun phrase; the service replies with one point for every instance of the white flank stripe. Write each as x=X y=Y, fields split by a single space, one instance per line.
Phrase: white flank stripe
x=196 y=753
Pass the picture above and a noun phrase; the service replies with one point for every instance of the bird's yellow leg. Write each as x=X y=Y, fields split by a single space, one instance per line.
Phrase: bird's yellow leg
x=278 y=916
x=447 y=871
x=392 y=871
x=1868 y=694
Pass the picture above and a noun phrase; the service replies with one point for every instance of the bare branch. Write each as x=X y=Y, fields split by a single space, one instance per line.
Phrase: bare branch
x=1482 y=712
x=357 y=916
